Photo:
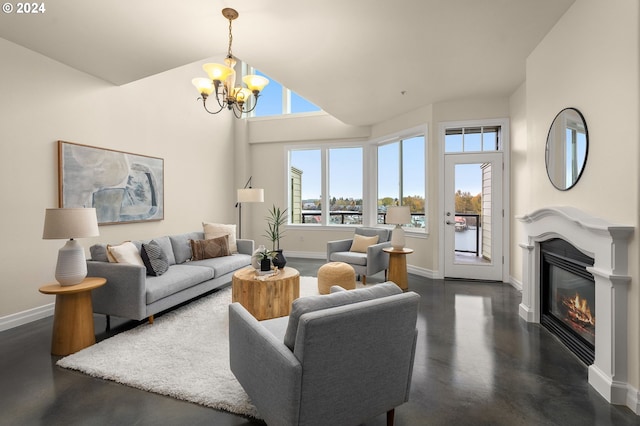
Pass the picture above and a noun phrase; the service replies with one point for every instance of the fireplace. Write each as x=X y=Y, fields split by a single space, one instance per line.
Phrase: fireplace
x=607 y=244
x=568 y=297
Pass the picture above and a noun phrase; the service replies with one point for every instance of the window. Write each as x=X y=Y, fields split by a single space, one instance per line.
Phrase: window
x=401 y=178
x=278 y=100
x=472 y=139
x=342 y=170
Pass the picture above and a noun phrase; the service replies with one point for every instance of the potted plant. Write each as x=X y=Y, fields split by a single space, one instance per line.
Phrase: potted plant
x=275 y=222
x=265 y=257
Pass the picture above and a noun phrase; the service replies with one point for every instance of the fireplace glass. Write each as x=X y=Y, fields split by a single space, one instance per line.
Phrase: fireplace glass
x=568 y=297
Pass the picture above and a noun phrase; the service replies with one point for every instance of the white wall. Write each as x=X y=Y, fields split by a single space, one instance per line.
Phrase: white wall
x=590 y=61
x=44 y=101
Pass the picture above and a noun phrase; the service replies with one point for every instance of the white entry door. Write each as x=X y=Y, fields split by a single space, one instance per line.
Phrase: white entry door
x=473 y=216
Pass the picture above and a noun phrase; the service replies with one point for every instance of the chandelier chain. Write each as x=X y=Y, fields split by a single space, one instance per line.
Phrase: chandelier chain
x=229 y=54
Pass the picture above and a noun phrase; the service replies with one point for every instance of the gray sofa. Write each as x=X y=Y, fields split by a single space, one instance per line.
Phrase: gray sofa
x=338 y=359
x=131 y=293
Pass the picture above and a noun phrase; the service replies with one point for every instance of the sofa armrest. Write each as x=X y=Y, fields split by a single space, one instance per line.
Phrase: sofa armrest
x=337 y=246
x=377 y=260
x=245 y=246
x=124 y=294
x=267 y=370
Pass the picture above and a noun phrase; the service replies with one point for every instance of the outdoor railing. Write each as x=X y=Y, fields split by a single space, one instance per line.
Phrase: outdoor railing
x=468 y=225
x=342 y=217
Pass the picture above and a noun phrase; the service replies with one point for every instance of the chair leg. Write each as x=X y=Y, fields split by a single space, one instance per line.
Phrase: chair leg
x=390 y=415
x=108 y=317
x=151 y=319
x=364 y=280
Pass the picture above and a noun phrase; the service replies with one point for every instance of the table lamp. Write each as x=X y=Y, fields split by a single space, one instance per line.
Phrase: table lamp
x=72 y=223
x=398 y=215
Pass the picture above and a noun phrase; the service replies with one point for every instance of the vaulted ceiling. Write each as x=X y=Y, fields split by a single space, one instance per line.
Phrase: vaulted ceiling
x=353 y=58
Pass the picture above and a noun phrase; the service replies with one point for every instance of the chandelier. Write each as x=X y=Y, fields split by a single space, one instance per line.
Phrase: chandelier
x=222 y=80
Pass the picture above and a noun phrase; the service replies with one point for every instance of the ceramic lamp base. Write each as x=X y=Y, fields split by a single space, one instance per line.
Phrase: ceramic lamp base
x=71 y=268
x=397 y=238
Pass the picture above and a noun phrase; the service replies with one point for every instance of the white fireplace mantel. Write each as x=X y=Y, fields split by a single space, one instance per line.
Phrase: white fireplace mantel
x=608 y=244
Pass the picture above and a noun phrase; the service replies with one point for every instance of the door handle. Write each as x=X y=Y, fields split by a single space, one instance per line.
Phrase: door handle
x=449 y=222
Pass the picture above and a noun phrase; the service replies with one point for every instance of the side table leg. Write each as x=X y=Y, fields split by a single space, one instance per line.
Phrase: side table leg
x=73 y=327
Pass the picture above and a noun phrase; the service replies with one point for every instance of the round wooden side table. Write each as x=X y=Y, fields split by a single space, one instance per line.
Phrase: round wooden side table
x=268 y=298
x=398 y=266
x=73 y=318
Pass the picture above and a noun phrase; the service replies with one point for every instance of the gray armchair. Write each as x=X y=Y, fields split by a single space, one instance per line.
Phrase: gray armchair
x=369 y=263
x=338 y=359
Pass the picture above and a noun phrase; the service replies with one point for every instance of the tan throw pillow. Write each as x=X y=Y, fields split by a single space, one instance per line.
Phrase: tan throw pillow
x=126 y=252
x=208 y=249
x=213 y=230
x=360 y=243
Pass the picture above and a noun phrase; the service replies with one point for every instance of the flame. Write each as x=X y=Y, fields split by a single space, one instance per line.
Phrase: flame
x=579 y=311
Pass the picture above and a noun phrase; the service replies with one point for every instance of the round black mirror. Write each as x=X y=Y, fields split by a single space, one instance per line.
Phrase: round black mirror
x=567 y=148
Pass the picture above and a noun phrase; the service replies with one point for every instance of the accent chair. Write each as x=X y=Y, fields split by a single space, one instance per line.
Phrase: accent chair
x=369 y=262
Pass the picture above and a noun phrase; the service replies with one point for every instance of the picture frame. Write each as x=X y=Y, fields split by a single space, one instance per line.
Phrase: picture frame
x=121 y=186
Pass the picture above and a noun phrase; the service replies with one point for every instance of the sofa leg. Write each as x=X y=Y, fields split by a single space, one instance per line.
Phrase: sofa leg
x=150 y=319
x=390 y=415
x=364 y=280
x=108 y=317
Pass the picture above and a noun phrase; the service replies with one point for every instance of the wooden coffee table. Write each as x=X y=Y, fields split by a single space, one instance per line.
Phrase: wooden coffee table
x=73 y=318
x=268 y=298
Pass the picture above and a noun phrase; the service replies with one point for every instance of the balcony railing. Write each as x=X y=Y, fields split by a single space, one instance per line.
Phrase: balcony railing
x=346 y=217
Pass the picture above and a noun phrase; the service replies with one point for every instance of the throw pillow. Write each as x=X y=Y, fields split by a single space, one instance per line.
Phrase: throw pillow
x=208 y=249
x=213 y=230
x=126 y=252
x=154 y=258
x=360 y=243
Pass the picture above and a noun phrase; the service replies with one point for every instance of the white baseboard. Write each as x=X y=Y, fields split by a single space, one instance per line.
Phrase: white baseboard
x=633 y=399
x=25 y=317
x=515 y=284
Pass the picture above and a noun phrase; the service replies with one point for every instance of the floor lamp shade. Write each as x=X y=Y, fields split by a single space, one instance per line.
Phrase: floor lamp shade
x=398 y=215
x=251 y=195
x=59 y=224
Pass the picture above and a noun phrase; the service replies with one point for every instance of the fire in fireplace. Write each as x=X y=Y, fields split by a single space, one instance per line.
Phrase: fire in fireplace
x=568 y=297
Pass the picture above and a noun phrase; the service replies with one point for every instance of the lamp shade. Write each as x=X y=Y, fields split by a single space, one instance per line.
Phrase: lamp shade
x=203 y=85
x=60 y=224
x=217 y=71
x=251 y=195
x=398 y=215
x=255 y=83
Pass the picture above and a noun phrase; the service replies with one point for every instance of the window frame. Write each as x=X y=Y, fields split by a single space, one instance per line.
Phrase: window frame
x=370 y=174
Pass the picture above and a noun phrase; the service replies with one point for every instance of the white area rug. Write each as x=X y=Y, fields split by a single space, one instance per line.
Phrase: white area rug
x=184 y=355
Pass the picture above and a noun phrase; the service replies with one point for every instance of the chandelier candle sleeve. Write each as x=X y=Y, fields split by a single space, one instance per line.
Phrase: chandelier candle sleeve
x=222 y=82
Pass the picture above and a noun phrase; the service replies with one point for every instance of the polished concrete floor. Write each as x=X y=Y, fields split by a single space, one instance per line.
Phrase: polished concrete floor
x=476 y=363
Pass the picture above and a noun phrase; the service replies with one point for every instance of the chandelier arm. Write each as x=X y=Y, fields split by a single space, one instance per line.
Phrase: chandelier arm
x=255 y=104
x=204 y=104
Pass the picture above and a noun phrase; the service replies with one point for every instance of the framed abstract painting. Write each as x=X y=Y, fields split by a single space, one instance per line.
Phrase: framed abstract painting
x=121 y=186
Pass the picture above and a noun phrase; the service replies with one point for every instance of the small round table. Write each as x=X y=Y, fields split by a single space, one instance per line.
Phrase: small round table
x=266 y=298
x=73 y=318
x=398 y=266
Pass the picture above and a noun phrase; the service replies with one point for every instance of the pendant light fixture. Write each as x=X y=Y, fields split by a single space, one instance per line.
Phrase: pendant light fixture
x=222 y=80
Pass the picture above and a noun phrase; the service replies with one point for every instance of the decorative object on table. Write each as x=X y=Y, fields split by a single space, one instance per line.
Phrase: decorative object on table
x=71 y=267
x=222 y=80
x=265 y=257
x=122 y=187
x=255 y=256
x=247 y=195
x=398 y=215
x=275 y=221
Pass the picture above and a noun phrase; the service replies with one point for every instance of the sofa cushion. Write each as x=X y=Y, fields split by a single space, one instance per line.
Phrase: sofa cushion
x=208 y=249
x=361 y=243
x=165 y=244
x=126 y=252
x=181 y=245
x=351 y=257
x=154 y=258
x=99 y=252
x=303 y=305
x=224 y=265
x=177 y=278
x=213 y=230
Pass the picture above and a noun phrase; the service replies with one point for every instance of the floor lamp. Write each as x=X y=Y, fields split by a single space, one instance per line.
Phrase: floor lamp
x=247 y=195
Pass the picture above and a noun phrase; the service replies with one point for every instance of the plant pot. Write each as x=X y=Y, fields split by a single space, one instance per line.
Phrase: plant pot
x=265 y=264
x=279 y=260
x=255 y=259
